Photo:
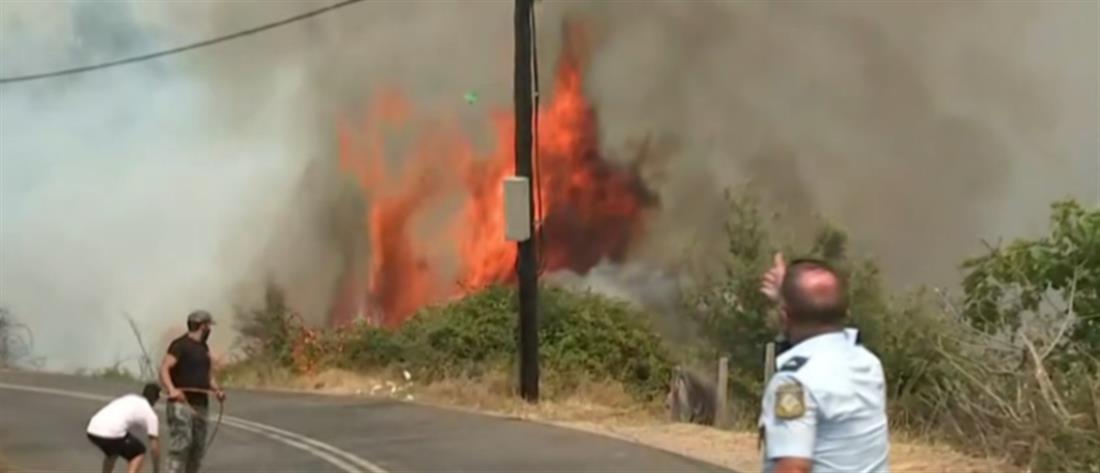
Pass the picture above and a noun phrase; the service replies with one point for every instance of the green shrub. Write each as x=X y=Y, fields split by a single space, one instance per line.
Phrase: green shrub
x=1032 y=387
x=597 y=337
x=269 y=332
x=739 y=320
x=116 y=372
x=16 y=339
x=583 y=336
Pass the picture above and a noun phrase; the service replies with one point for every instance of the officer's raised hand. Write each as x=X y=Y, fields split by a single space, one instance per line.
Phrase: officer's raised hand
x=773 y=279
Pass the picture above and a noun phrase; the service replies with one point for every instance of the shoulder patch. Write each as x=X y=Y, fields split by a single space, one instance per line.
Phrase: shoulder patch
x=794 y=364
x=790 y=401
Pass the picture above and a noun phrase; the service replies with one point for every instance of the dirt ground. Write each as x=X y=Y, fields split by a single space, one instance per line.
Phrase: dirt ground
x=606 y=410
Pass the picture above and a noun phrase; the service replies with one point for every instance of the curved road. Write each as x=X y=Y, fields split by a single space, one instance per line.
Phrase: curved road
x=42 y=419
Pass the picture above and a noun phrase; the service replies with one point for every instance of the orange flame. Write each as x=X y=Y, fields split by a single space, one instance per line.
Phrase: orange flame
x=588 y=208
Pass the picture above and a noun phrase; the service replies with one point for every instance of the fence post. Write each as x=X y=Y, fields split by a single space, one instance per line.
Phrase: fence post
x=721 y=416
x=769 y=362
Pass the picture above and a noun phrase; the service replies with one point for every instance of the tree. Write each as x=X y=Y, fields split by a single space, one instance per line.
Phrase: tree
x=1052 y=280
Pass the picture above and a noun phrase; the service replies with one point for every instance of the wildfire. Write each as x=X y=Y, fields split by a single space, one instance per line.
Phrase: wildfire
x=588 y=209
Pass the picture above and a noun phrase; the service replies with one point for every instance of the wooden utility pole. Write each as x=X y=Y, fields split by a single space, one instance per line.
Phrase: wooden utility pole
x=527 y=255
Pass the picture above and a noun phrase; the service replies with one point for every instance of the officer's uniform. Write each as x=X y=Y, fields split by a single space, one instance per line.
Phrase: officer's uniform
x=827 y=403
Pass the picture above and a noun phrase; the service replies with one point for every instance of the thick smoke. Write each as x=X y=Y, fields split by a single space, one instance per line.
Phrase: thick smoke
x=129 y=190
x=922 y=127
x=192 y=181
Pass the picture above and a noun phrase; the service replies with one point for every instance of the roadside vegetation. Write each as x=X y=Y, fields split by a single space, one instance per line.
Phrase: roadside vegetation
x=1006 y=366
x=16 y=341
x=584 y=337
x=115 y=372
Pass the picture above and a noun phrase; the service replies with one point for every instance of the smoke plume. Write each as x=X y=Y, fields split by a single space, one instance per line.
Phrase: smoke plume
x=921 y=127
x=192 y=181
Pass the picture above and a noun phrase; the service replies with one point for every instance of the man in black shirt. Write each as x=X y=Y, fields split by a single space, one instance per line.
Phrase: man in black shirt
x=187 y=376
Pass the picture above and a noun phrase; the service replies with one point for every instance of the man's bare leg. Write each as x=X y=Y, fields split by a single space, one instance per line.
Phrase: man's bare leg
x=109 y=463
x=135 y=464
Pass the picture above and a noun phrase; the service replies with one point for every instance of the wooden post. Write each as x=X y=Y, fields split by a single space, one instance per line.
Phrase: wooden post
x=721 y=415
x=527 y=253
x=769 y=362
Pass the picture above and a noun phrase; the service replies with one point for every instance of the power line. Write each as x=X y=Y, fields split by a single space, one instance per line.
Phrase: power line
x=180 y=49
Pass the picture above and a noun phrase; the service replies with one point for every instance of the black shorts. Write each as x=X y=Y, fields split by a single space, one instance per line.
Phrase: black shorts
x=126 y=447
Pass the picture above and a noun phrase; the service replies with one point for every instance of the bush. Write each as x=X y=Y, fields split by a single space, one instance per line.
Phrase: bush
x=269 y=333
x=16 y=340
x=583 y=336
x=740 y=320
x=1013 y=372
x=1025 y=369
x=116 y=372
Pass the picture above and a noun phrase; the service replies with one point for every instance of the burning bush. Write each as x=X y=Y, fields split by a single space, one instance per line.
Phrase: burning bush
x=583 y=337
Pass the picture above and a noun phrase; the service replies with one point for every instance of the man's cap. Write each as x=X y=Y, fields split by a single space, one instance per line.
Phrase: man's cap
x=200 y=317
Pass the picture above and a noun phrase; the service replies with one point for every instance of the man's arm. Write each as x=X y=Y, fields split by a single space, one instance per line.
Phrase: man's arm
x=792 y=465
x=166 y=366
x=215 y=386
x=790 y=425
x=152 y=430
x=154 y=452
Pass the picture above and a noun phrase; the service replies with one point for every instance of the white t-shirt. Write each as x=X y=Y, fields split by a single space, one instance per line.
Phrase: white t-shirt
x=123 y=414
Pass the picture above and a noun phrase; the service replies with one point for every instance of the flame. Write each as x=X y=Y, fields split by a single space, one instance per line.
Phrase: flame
x=587 y=208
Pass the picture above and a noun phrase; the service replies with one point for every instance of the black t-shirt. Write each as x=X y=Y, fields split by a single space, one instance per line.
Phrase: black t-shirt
x=192 y=368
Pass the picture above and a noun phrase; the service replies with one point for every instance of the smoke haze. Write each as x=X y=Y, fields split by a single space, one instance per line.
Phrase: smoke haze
x=919 y=126
x=192 y=181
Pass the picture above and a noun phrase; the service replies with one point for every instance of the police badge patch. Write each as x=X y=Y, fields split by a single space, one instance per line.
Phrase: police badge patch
x=789 y=401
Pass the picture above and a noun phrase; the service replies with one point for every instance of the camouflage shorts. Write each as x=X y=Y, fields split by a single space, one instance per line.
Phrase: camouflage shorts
x=186 y=437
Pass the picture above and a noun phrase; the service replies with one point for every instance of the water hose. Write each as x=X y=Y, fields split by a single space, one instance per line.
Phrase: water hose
x=221 y=414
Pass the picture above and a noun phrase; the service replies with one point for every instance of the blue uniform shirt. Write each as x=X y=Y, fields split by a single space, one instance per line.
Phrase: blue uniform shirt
x=827 y=403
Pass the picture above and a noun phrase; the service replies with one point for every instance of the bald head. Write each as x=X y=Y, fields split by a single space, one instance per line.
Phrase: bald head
x=813 y=293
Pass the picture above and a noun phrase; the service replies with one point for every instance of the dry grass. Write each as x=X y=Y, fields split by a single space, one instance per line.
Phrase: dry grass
x=604 y=409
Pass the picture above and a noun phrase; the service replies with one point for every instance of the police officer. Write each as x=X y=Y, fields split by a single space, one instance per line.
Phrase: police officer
x=187 y=375
x=824 y=410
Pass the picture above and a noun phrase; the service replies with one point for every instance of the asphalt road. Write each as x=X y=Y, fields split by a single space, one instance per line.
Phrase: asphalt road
x=42 y=420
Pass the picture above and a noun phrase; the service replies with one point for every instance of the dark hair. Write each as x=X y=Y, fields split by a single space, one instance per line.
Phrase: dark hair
x=805 y=307
x=192 y=326
x=151 y=392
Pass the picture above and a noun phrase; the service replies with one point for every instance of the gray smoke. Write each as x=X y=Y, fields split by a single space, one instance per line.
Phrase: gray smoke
x=192 y=181
x=125 y=190
x=920 y=126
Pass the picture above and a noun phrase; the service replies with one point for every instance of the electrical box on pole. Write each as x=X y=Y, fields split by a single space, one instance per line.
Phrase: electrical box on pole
x=517 y=208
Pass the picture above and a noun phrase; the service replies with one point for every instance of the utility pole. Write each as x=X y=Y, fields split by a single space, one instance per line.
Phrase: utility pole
x=527 y=255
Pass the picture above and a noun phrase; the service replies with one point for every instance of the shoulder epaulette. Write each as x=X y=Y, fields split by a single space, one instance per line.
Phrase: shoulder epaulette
x=794 y=364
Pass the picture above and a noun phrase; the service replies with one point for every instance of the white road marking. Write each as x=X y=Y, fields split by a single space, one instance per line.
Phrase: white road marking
x=341 y=459
x=361 y=463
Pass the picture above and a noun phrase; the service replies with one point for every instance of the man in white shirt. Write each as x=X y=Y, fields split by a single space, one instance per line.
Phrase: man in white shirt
x=824 y=410
x=110 y=429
